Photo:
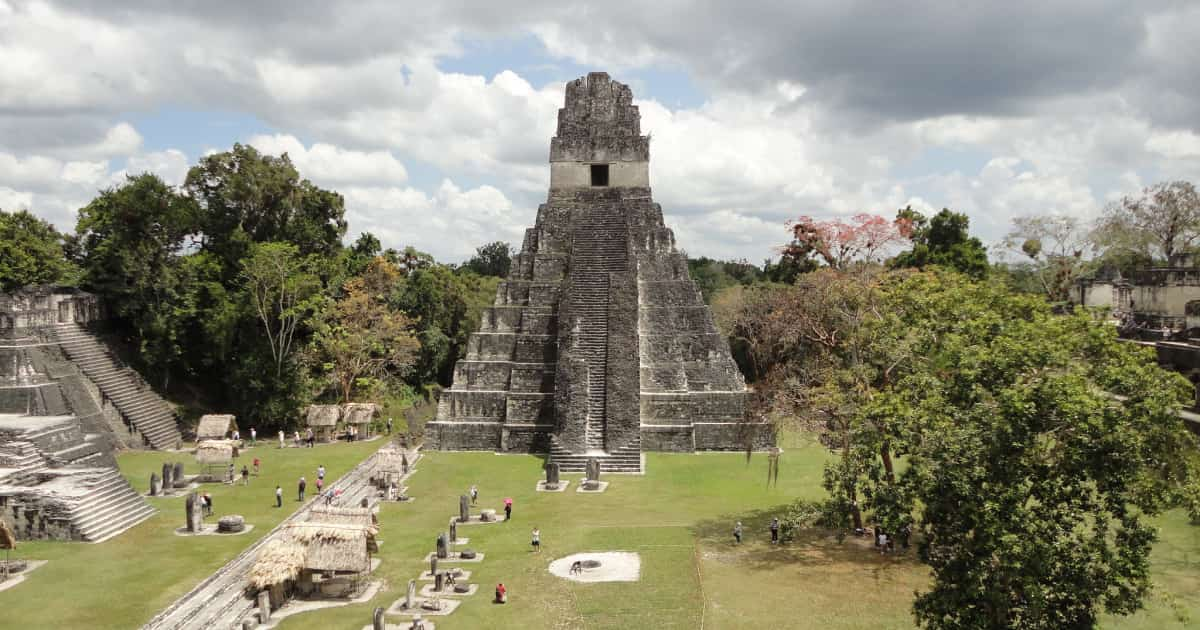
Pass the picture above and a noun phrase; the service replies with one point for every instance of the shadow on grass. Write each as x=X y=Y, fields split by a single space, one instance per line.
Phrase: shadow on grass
x=814 y=546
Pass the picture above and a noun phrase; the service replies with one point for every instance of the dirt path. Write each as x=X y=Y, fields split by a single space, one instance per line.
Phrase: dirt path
x=220 y=601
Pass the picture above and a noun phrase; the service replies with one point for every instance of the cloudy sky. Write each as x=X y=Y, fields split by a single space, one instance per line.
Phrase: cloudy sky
x=434 y=118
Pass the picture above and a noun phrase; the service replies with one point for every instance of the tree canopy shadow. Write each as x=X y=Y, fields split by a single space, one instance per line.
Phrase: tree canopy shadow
x=810 y=546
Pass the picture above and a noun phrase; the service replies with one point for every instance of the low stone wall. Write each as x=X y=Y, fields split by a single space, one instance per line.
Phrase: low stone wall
x=38 y=517
x=463 y=436
x=526 y=438
x=667 y=438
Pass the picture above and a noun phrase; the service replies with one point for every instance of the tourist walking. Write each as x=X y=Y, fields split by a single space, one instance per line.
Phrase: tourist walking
x=501 y=594
x=253 y=436
x=236 y=436
x=303 y=486
x=474 y=494
x=321 y=472
x=737 y=533
x=507 y=508
x=537 y=540
x=281 y=438
x=883 y=543
x=208 y=504
x=320 y=484
x=389 y=426
x=774 y=531
x=245 y=475
x=257 y=466
x=278 y=496
x=312 y=439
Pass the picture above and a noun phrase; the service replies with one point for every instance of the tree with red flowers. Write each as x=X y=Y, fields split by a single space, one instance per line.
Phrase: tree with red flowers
x=865 y=237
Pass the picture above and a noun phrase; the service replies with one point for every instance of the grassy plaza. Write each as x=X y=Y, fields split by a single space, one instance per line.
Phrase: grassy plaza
x=678 y=516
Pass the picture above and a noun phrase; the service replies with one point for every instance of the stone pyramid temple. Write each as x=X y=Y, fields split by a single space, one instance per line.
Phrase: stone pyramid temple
x=599 y=344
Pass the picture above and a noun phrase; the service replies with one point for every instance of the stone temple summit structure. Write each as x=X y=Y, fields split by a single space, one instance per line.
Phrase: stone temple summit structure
x=599 y=344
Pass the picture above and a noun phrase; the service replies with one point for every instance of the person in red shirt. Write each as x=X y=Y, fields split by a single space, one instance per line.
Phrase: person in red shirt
x=501 y=594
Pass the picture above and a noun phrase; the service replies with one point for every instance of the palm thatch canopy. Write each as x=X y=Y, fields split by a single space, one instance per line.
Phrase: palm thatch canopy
x=337 y=515
x=280 y=560
x=8 y=540
x=359 y=413
x=342 y=544
x=322 y=415
x=215 y=426
x=390 y=460
x=215 y=451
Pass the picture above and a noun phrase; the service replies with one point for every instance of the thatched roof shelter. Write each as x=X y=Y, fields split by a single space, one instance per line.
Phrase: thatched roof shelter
x=390 y=460
x=8 y=540
x=359 y=413
x=310 y=546
x=215 y=426
x=280 y=560
x=211 y=452
x=335 y=546
x=322 y=415
x=337 y=515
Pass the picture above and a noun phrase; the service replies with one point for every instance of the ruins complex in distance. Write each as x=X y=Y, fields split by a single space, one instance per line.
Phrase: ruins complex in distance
x=599 y=343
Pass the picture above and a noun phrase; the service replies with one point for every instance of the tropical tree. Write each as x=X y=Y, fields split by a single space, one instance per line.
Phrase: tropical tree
x=493 y=259
x=941 y=240
x=31 y=252
x=1036 y=447
x=130 y=241
x=246 y=197
x=281 y=288
x=864 y=238
x=1162 y=221
x=1056 y=244
x=359 y=337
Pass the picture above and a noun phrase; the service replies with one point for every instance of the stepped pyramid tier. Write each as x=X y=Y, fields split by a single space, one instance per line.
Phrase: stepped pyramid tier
x=51 y=364
x=598 y=343
x=65 y=405
x=58 y=483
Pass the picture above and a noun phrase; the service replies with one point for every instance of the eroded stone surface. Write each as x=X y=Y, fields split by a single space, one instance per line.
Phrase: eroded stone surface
x=598 y=341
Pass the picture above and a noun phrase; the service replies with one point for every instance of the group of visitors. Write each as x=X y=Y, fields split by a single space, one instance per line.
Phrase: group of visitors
x=773 y=527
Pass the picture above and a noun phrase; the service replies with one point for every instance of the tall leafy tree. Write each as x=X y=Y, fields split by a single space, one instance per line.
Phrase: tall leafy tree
x=493 y=259
x=1056 y=245
x=941 y=240
x=31 y=252
x=360 y=337
x=130 y=240
x=246 y=197
x=1036 y=446
x=281 y=287
x=864 y=238
x=1163 y=220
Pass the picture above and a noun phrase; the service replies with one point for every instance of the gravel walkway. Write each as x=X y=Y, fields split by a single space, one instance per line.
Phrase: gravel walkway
x=220 y=601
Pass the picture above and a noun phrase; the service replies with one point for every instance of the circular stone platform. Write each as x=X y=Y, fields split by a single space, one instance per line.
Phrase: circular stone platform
x=614 y=566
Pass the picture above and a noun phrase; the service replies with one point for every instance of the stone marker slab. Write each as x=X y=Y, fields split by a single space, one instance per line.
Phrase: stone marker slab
x=600 y=487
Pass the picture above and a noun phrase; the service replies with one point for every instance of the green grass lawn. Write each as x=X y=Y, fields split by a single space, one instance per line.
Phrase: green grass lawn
x=678 y=517
x=123 y=582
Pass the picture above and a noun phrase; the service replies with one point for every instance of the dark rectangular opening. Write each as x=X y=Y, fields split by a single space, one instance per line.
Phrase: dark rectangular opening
x=599 y=174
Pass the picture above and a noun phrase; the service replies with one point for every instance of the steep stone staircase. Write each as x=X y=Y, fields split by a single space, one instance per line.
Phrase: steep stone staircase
x=145 y=410
x=22 y=455
x=600 y=248
x=111 y=507
x=626 y=459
